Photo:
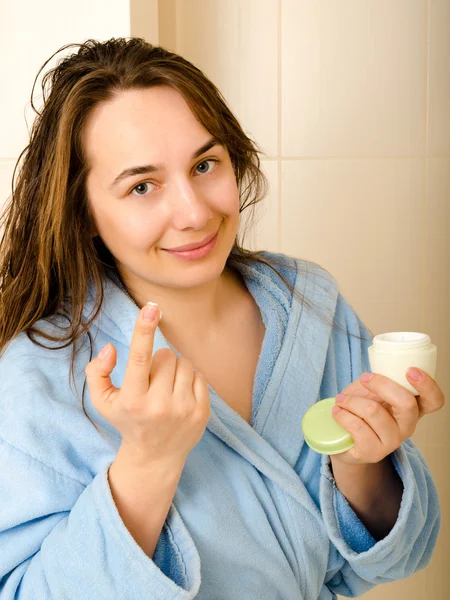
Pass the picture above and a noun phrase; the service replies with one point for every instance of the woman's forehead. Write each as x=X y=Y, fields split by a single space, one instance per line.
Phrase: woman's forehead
x=150 y=124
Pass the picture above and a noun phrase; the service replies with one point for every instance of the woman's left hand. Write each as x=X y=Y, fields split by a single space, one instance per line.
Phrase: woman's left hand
x=380 y=414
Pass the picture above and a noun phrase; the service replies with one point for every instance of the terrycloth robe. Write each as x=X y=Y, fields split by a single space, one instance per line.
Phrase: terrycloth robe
x=256 y=513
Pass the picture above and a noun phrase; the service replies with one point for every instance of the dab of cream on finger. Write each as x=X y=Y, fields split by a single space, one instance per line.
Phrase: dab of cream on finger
x=160 y=311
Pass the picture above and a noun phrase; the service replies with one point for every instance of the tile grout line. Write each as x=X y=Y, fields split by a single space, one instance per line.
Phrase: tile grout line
x=385 y=157
x=279 y=124
x=425 y=191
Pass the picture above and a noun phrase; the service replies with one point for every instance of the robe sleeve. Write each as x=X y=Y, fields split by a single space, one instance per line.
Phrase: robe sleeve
x=62 y=539
x=359 y=561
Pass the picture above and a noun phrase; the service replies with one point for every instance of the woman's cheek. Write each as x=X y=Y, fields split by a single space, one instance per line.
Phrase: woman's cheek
x=227 y=202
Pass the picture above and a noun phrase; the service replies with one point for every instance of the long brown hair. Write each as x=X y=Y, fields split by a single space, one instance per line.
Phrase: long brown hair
x=47 y=254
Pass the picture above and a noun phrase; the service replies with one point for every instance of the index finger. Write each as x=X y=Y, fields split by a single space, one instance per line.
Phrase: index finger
x=355 y=388
x=141 y=349
x=405 y=408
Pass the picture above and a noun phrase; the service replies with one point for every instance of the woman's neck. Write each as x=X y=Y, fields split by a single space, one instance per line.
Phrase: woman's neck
x=200 y=313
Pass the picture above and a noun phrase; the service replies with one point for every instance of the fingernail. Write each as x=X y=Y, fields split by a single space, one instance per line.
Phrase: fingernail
x=414 y=374
x=336 y=409
x=151 y=311
x=366 y=377
x=104 y=351
x=340 y=398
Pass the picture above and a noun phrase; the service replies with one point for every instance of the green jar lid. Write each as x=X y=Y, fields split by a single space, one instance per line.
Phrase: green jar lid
x=322 y=433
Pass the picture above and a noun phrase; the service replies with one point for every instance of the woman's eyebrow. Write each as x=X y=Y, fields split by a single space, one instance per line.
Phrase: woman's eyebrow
x=143 y=169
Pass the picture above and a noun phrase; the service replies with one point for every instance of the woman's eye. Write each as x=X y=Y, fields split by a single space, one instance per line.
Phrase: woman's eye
x=139 y=187
x=205 y=162
x=142 y=189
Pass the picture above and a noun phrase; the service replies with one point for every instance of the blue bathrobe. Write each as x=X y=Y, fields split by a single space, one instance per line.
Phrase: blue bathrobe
x=256 y=514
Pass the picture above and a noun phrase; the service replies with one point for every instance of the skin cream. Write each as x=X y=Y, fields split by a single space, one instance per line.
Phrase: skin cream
x=392 y=354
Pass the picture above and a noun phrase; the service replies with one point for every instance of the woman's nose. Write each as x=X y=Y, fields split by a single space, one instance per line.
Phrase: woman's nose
x=190 y=208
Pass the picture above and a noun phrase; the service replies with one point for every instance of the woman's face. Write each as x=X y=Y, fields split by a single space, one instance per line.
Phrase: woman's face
x=183 y=197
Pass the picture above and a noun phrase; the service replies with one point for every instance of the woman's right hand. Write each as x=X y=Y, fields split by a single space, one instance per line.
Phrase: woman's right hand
x=163 y=406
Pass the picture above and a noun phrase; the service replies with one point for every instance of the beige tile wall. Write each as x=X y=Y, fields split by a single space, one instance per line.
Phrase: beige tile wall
x=29 y=35
x=350 y=102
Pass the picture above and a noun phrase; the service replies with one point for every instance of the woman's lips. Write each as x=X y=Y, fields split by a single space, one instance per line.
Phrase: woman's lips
x=194 y=245
x=196 y=252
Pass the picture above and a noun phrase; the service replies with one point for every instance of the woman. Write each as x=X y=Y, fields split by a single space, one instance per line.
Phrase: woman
x=181 y=471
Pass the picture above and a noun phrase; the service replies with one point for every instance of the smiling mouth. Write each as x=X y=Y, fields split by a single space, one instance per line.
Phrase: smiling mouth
x=193 y=245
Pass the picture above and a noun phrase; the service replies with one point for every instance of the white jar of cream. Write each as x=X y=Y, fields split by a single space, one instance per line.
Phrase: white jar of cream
x=391 y=354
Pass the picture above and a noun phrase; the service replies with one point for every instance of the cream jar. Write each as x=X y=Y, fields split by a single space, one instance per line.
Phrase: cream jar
x=392 y=354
